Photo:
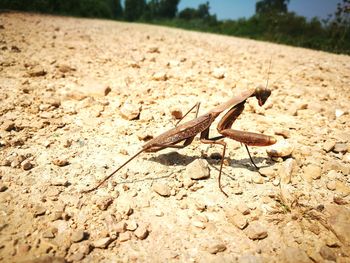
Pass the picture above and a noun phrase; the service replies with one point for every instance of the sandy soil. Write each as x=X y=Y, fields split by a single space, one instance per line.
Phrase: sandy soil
x=69 y=88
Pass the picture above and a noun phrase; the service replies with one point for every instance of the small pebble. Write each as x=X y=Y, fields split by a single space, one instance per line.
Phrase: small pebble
x=276 y=182
x=124 y=236
x=77 y=256
x=141 y=232
x=102 y=242
x=5 y=162
x=39 y=210
x=216 y=248
x=328 y=145
x=8 y=126
x=257 y=179
x=331 y=185
x=243 y=209
x=338 y=113
x=15 y=49
x=59 y=182
x=56 y=215
x=268 y=171
x=50 y=233
x=26 y=165
x=3 y=187
x=15 y=163
x=161 y=189
x=176 y=113
x=130 y=111
x=238 y=220
x=120 y=227
x=153 y=50
x=173 y=63
x=67 y=143
x=237 y=190
x=283 y=132
x=342 y=188
x=127 y=210
x=219 y=73
x=198 y=224
x=60 y=162
x=340 y=148
x=131 y=225
x=339 y=200
x=158 y=213
x=78 y=235
x=160 y=76
x=188 y=182
x=282 y=148
x=104 y=202
x=256 y=231
x=65 y=68
x=134 y=64
x=198 y=169
x=37 y=73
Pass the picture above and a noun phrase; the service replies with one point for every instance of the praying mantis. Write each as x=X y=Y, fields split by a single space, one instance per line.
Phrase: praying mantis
x=187 y=131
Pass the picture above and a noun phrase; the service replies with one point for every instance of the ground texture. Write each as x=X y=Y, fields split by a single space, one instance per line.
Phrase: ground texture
x=79 y=97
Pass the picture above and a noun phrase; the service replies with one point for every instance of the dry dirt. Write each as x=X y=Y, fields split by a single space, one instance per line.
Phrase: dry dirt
x=65 y=83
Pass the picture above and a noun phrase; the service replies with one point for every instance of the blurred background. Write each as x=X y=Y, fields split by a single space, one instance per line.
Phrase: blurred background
x=316 y=24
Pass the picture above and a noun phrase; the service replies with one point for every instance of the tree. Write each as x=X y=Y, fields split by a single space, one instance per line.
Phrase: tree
x=188 y=13
x=152 y=10
x=117 y=10
x=271 y=6
x=161 y=9
x=134 y=9
x=202 y=12
x=338 y=26
x=168 y=8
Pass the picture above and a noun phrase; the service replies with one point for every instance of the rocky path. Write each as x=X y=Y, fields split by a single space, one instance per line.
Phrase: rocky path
x=78 y=97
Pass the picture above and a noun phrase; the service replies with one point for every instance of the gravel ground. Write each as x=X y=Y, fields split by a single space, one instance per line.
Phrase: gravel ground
x=80 y=96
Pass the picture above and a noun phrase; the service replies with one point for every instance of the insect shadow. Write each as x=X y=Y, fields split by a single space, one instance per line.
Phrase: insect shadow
x=176 y=158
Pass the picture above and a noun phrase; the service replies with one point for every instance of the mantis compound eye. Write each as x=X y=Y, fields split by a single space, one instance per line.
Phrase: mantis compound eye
x=262 y=94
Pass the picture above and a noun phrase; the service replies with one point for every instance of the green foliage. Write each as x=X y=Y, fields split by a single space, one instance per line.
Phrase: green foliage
x=134 y=9
x=272 y=21
x=188 y=14
x=338 y=27
x=85 y=8
x=117 y=9
x=168 y=8
x=160 y=9
x=202 y=12
x=271 y=6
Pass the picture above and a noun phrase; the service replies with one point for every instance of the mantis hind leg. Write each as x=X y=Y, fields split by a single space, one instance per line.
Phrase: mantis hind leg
x=206 y=140
x=209 y=141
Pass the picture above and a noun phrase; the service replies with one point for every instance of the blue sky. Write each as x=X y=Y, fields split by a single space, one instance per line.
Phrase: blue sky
x=233 y=9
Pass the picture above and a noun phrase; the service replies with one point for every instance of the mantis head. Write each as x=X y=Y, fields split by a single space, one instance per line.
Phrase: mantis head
x=262 y=94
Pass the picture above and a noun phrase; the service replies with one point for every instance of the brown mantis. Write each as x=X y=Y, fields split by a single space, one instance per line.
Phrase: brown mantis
x=188 y=130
